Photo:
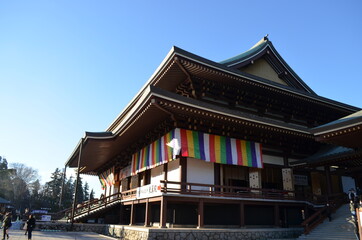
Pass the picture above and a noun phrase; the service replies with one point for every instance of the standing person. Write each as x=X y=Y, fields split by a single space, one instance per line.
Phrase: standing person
x=351 y=194
x=352 y=208
x=329 y=214
x=6 y=225
x=30 y=225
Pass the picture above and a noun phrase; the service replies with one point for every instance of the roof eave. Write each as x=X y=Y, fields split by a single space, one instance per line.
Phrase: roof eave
x=217 y=66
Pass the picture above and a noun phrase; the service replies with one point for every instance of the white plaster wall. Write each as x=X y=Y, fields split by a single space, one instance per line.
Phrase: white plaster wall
x=157 y=175
x=199 y=171
x=174 y=173
x=273 y=160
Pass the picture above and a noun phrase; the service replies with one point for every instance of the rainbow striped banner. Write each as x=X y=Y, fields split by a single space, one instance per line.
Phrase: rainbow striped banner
x=107 y=178
x=153 y=155
x=207 y=147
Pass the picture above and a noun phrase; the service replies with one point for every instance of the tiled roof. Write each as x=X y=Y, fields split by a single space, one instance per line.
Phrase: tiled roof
x=353 y=119
x=4 y=201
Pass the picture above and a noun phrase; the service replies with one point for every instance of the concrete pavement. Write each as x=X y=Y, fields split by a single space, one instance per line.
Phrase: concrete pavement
x=38 y=235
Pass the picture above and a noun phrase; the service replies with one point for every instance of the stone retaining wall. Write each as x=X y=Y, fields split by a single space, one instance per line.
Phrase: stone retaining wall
x=130 y=233
x=142 y=233
x=77 y=227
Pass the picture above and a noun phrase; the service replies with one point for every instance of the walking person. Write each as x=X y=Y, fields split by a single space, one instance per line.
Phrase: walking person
x=6 y=225
x=1 y=220
x=30 y=223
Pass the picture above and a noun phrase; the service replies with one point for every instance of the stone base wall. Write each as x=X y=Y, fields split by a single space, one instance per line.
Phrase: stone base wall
x=77 y=227
x=142 y=233
x=130 y=233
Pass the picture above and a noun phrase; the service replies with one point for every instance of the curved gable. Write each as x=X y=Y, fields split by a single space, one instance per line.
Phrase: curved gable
x=261 y=68
x=264 y=61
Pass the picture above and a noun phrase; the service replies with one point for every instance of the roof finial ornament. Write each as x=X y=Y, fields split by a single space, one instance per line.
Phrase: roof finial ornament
x=266 y=37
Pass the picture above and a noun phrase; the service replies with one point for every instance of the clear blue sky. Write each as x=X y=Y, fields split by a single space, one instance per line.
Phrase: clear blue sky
x=67 y=67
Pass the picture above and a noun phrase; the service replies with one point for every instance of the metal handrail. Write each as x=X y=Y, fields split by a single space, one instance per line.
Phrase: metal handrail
x=334 y=202
x=95 y=204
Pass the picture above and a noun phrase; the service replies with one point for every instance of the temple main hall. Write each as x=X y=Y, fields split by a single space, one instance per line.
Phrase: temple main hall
x=244 y=142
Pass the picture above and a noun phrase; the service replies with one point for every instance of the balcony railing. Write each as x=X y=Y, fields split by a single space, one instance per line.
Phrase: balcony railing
x=225 y=191
x=197 y=189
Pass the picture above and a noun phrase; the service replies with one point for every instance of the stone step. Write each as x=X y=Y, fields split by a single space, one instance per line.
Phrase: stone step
x=328 y=238
x=340 y=228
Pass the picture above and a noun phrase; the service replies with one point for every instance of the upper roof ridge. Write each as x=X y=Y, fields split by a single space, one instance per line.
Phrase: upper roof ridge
x=243 y=56
x=261 y=41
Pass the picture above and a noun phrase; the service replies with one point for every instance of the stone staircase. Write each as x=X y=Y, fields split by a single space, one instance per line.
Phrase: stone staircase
x=341 y=227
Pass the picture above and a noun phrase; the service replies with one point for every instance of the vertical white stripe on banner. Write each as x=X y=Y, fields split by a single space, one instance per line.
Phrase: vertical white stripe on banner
x=206 y=147
x=178 y=135
x=150 y=154
x=234 y=153
x=163 y=146
x=258 y=155
x=177 y=148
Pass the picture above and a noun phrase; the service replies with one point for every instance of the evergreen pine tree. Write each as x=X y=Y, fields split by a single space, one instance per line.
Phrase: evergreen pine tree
x=86 y=192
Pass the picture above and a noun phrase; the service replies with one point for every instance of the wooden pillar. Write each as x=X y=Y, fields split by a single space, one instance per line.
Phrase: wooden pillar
x=132 y=220
x=285 y=161
x=306 y=212
x=276 y=215
x=147 y=214
x=285 y=217
x=165 y=171
x=183 y=164
x=328 y=180
x=76 y=183
x=121 y=208
x=163 y=212
x=242 y=214
x=200 y=215
x=217 y=176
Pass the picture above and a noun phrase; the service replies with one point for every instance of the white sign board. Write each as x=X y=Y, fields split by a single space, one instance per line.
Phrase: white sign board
x=46 y=218
x=150 y=190
x=300 y=180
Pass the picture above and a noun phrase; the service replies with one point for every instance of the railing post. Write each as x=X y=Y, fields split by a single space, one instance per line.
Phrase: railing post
x=276 y=215
x=165 y=186
x=147 y=214
x=163 y=212
x=132 y=220
x=200 y=214
x=242 y=214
